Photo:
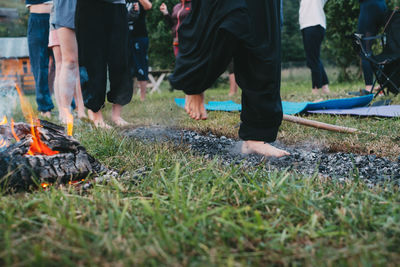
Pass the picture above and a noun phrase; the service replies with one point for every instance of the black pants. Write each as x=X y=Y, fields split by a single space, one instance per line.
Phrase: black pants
x=372 y=17
x=248 y=32
x=102 y=34
x=312 y=40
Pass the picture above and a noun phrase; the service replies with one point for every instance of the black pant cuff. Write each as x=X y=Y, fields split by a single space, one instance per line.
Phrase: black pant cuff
x=246 y=132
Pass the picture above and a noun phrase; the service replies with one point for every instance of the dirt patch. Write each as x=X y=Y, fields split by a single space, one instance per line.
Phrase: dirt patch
x=304 y=159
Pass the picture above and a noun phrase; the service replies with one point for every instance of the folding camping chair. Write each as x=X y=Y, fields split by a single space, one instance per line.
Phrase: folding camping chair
x=386 y=65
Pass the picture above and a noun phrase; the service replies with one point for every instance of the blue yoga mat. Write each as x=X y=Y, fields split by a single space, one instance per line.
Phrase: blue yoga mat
x=290 y=108
x=380 y=111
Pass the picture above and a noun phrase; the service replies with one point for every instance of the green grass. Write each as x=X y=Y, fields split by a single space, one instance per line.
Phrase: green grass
x=188 y=211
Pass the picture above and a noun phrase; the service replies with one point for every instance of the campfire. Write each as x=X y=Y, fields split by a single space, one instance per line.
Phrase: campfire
x=38 y=153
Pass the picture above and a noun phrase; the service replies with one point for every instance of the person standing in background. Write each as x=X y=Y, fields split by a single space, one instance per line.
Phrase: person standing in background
x=54 y=44
x=139 y=41
x=313 y=25
x=102 y=33
x=63 y=21
x=38 y=39
x=249 y=33
x=372 y=17
x=174 y=20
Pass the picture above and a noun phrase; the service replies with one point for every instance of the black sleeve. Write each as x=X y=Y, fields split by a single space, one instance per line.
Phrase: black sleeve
x=168 y=20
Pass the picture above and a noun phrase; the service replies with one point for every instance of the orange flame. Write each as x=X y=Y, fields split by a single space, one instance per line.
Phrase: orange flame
x=3 y=142
x=37 y=146
x=70 y=124
x=4 y=121
x=13 y=131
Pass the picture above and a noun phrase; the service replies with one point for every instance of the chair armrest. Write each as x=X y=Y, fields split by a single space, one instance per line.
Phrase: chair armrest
x=382 y=37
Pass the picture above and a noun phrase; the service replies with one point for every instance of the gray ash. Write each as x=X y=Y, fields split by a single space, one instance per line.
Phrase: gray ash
x=369 y=168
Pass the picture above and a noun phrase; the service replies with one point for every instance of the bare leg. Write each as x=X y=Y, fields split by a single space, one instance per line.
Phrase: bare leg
x=52 y=72
x=116 y=115
x=264 y=149
x=80 y=108
x=67 y=79
x=233 y=85
x=143 y=87
x=195 y=106
x=97 y=118
x=58 y=60
x=315 y=91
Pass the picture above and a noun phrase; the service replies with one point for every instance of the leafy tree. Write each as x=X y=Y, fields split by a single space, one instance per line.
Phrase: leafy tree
x=342 y=17
x=160 y=49
x=15 y=28
x=292 y=43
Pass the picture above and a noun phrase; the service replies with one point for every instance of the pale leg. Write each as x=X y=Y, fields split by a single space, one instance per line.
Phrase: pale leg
x=116 y=115
x=67 y=79
x=58 y=60
x=143 y=87
x=233 y=85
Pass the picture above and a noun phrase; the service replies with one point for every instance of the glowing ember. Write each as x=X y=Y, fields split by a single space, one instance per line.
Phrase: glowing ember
x=44 y=185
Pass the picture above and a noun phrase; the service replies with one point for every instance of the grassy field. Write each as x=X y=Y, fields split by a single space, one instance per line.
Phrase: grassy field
x=188 y=211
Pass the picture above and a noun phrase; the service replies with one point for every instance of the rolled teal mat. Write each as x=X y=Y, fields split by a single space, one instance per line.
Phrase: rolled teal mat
x=290 y=108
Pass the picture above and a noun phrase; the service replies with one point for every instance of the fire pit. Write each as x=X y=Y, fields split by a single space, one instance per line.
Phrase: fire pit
x=41 y=154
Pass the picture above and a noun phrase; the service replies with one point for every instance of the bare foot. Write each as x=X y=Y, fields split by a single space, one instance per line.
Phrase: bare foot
x=261 y=148
x=46 y=114
x=116 y=115
x=315 y=91
x=120 y=121
x=325 y=89
x=195 y=106
x=97 y=119
x=81 y=114
x=186 y=104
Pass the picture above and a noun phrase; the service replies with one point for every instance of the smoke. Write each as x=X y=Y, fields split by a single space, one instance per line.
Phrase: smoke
x=8 y=98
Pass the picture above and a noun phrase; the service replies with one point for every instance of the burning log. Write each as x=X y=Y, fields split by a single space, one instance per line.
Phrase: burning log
x=22 y=167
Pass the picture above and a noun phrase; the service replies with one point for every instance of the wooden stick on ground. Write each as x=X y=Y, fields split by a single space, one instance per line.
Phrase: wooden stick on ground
x=319 y=125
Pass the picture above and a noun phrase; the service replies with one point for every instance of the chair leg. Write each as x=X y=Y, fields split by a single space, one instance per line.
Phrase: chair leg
x=373 y=86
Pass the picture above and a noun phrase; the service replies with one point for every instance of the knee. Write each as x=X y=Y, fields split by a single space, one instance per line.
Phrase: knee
x=69 y=62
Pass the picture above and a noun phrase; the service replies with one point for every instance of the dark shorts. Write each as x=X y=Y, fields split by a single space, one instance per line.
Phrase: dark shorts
x=64 y=14
x=140 y=66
